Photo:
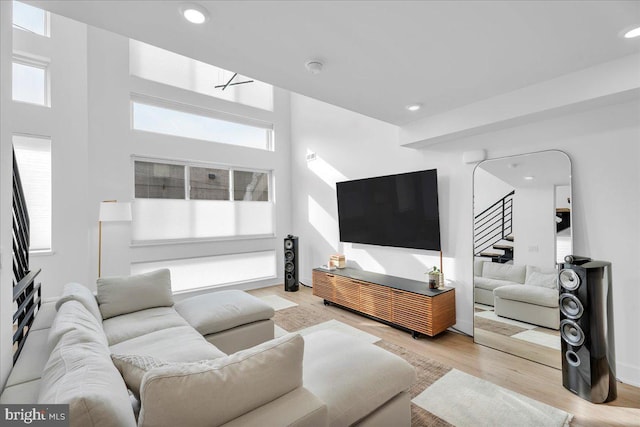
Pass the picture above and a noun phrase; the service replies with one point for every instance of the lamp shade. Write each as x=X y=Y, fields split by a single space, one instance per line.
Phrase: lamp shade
x=114 y=211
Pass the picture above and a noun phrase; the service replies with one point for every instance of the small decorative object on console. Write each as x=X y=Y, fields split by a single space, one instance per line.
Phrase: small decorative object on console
x=338 y=260
x=435 y=278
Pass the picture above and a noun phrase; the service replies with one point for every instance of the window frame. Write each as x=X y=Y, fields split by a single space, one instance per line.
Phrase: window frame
x=187 y=177
x=33 y=63
x=268 y=127
x=50 y=250
x=46 y=24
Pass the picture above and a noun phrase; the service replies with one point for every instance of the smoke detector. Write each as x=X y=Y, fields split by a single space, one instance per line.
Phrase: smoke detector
x=314 y=66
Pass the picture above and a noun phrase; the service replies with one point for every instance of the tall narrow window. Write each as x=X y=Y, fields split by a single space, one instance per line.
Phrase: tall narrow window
x=31 y=19
x=29 y=83
x=33 y=156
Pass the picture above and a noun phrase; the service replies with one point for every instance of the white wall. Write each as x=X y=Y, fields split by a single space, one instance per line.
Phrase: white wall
x=602 y=144
x=66 y=123
x=350 y=146
x=113 y=143
x=6 y=168
x=534 y=227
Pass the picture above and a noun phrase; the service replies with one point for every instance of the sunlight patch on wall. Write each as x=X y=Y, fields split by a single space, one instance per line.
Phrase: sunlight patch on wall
x=363 y=259
x=324 y=170
x=323 y=222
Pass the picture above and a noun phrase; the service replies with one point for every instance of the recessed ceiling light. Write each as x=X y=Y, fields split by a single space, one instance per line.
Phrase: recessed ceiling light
x=194 y=13
x=413 y=107
x=529 y=178
x=635 y=32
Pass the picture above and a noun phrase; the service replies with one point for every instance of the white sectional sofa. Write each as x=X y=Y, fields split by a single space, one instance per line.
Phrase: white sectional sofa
x=521 y=292
x=130 y=357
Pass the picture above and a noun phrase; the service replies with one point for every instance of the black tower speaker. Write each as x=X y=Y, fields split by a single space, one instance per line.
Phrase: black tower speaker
x=291 y=283
x=586 y=328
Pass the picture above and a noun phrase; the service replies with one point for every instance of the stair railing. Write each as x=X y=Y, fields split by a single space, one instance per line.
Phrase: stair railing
x=493 y=224
x=26 y=292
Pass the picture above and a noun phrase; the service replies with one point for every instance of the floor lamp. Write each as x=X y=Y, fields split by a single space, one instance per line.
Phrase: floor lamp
x=110 y=211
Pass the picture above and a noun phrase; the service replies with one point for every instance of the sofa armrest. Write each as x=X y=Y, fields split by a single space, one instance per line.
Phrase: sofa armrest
x=298 y=408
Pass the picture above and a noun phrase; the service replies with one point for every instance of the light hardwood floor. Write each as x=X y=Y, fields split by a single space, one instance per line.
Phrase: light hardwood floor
x=531 y=379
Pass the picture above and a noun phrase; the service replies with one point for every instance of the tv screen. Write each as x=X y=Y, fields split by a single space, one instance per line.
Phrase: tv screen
x=395 y=210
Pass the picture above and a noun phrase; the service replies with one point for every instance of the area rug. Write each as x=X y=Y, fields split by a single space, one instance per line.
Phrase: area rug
x=442 y=396
x=277 y=302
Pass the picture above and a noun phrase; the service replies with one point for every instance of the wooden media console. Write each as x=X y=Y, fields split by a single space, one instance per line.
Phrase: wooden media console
x=394 y=300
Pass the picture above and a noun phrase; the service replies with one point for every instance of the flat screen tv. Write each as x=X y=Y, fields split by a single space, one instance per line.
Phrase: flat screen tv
x=394 y=210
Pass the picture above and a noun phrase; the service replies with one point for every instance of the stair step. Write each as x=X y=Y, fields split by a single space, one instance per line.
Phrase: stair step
x=509 y=238
x=490 y=254
x=503 y=247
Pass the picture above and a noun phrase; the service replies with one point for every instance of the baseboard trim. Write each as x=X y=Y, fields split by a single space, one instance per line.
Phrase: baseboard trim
x=628 y=374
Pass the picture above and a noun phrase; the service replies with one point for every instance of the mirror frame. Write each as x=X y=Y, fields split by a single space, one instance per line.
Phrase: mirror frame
x=543 y=359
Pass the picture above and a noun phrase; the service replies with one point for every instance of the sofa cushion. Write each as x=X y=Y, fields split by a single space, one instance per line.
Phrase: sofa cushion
x=133 y=367
x=177 y=344
x=478 y=265
x=338 y=369
x=223 y=310
x=82 y=375
x=73 y=315
x=122 y=295
x=489 y=284
x=131 y=325
x=82 y=294
x=529 y=294
x=508 y=272
x=548 y=280
x=218 y=391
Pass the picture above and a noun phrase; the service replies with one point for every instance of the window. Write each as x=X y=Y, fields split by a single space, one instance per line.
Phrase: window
x=33 y=156
x=31 y=19
x=162 y=66
x=209 y=184
x=159 y=181
x=191 y=201
x=30 y=82
x=194 y=273
x=151 y=118
x=250 y=186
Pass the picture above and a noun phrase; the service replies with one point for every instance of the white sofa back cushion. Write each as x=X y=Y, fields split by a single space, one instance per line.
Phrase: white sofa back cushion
x=81 y=374
x=122 y=295
x=77 y=292
x=508 y=272
x=215 y=392
x=545 y=280
x=73 y=316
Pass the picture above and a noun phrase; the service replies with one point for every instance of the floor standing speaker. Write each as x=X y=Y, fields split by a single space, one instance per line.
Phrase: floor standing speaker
x=291 y=283
x=586 y=328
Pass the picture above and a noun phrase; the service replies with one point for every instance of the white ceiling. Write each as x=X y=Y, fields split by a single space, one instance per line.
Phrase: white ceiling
x=382 y=55
x=548 y=168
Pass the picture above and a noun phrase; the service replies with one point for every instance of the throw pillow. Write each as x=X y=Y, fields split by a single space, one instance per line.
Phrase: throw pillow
x=122 y=295
x=220 y=390
x=544 y=280
x=133 y=367
x=82 y=294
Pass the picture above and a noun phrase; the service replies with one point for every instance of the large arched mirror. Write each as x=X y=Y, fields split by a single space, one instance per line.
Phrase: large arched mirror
x=522 y=228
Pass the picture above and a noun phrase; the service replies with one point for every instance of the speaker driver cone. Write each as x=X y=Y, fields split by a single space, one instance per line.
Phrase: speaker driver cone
x=288 y=244
x=572 y=358
x=569 y=280
x=571 y=333
x=571 y=306
x=288 y=255
x=289 y=267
